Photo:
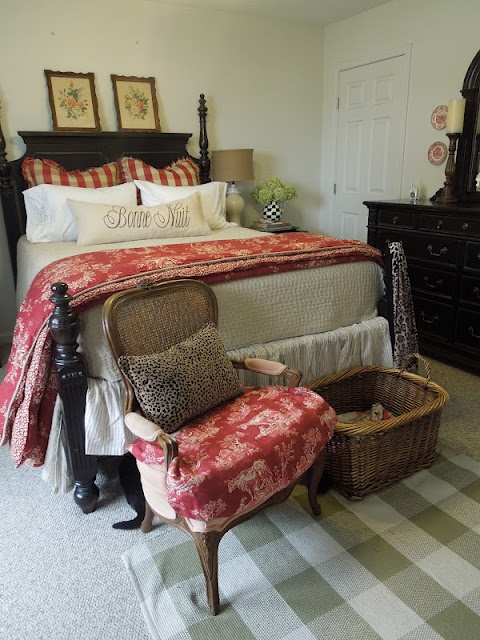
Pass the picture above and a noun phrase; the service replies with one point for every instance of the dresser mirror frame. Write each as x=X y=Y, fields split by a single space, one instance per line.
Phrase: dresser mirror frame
x=468 y=154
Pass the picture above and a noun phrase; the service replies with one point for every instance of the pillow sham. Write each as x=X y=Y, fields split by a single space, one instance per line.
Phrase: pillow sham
x=183 y=382
x=49 y=219
x=183 y=172
x=37 y=171
x=212 y=195
x=102 y=223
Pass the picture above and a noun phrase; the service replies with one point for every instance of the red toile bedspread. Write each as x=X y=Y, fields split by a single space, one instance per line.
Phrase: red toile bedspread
x=29 y=389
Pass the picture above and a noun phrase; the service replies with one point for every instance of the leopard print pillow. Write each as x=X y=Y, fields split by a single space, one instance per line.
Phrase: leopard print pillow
x=183 y=382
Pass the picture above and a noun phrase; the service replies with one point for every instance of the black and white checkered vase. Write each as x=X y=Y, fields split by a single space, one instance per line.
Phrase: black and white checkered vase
x=273 y=211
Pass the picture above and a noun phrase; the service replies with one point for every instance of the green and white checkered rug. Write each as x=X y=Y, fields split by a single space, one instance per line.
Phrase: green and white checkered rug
x=401 y=564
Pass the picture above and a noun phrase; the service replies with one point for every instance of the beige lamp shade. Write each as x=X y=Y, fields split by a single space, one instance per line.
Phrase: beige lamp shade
x=232 y=165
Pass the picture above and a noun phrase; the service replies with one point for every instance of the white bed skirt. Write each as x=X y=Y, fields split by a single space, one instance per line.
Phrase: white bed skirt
x=362 y=344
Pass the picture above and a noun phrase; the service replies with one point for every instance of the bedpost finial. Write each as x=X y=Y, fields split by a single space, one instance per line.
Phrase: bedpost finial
x=59 y=287
x=202 y=109
x=5 y=168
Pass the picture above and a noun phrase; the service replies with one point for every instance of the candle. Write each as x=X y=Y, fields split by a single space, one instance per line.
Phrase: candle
x=456 y=111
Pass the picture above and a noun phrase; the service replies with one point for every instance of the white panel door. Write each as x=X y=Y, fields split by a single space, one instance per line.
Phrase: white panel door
x=370 y=141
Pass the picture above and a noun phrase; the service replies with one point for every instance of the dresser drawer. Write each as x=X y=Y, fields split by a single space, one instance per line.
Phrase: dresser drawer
x=396 y=218
x=385 y=236
x=468 y=328
x=432 y=281
x=470 y=289
x=433 y=318
x=422 y=246
x=452 y=225
x=472 y=258
x=434 y=249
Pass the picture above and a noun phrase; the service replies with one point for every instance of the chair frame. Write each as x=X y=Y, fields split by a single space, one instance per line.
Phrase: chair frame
x=207 y=542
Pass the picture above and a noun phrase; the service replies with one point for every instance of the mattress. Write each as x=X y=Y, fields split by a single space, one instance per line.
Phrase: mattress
x=267 y=308
x=256 y=310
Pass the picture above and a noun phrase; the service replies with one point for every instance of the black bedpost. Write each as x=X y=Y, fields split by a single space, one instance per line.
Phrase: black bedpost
x=204 y=161
x=7 y=197
x=72 y=380
x=4 y=165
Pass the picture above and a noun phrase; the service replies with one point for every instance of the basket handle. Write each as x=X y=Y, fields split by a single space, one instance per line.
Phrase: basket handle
x=426 y=366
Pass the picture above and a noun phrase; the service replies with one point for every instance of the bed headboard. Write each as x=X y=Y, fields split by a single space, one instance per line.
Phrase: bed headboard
x=82 y=150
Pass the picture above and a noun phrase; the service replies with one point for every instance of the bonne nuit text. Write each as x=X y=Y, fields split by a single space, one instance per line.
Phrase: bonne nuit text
x=177 y=215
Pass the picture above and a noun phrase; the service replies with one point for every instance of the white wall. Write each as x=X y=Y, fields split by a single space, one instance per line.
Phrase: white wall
x=443 y=37
x=262 y=80
x=270 y=85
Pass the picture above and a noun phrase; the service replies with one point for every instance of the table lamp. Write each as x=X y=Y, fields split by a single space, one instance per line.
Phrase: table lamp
x=233 y=165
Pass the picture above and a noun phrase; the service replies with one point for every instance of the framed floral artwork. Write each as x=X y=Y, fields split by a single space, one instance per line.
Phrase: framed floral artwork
x=73 y=101
x=136 y=103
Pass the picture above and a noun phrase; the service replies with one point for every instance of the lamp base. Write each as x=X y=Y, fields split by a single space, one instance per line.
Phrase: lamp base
x=447 y=195
x=234 y=204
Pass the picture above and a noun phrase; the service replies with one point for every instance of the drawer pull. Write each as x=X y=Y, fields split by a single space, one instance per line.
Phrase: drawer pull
x=395 y=220
x=431 y=320
x=471 y=331
x=436 y=285
x=442 y=251
x=439 y=225
x=465 y=226
x=476 y=292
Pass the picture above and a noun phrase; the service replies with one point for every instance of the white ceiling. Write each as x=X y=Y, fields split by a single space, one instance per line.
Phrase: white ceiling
x=320 y=12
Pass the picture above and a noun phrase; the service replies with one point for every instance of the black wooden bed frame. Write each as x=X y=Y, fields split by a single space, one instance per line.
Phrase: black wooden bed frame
x=82 y=150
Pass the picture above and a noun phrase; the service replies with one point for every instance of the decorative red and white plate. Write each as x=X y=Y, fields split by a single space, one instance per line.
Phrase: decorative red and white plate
x=439 y=117
x=437 y=153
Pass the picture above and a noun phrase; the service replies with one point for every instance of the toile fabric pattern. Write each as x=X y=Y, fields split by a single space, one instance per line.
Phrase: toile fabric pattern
x=235 y=457
x=184 y=381
x=29 y=390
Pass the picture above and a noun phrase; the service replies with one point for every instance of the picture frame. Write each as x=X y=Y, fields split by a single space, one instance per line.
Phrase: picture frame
x=73 y=101
x=136 y=103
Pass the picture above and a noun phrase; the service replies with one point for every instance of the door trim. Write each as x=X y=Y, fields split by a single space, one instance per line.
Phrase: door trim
x=359 y=62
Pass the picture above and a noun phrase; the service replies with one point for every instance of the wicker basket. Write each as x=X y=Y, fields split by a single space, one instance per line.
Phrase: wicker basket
x=365 y=457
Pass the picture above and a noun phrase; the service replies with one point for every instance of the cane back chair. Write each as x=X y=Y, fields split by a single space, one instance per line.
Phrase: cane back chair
x=218 y=468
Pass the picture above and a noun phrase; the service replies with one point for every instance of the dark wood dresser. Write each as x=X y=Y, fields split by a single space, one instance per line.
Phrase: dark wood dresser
x=442 y=246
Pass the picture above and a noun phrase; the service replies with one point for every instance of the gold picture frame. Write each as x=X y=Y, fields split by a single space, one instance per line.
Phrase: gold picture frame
x=136 y=103
x=73 y=101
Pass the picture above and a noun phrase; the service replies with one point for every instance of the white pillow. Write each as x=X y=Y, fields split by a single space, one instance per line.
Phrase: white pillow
x=212 y=194
x=50 y=220
x=102 y=223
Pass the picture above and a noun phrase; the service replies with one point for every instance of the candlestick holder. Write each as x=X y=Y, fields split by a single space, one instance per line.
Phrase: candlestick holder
x=447 y=195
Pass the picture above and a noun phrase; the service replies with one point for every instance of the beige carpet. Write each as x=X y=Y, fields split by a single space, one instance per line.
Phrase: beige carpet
x=460 y=425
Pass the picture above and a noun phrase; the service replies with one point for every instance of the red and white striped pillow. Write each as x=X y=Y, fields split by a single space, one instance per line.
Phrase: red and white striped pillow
x=37 y=171
x=181 y=173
